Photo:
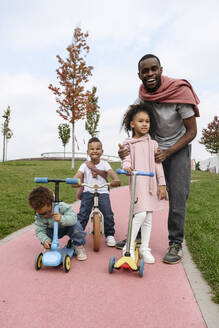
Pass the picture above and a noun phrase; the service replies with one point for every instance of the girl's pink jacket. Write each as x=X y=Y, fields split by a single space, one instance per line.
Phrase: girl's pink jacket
x=141 y=158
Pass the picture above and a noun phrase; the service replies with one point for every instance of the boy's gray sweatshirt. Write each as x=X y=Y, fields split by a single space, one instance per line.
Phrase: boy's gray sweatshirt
x=69 y=218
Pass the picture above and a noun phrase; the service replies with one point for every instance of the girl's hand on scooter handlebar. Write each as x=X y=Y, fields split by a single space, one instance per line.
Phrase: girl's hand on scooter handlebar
x=57 y=217
x=129 y=170
x=47 y=244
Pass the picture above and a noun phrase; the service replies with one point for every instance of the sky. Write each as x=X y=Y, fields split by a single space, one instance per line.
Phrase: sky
x=183 y=34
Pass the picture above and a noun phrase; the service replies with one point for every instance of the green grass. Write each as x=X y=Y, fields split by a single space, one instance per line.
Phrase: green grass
x=201 y=231
x=202 y=227
x=17 y=180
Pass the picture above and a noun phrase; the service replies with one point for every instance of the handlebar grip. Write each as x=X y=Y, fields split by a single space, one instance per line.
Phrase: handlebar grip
x=41 y=180
x=120 y=171
x=149 y=174
x=73 y=181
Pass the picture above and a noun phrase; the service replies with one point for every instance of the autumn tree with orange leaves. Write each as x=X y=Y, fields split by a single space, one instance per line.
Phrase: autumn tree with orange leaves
x=74 y=101
x=210 y=136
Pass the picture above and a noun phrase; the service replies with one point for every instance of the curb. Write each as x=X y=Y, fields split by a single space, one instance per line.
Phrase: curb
x=201 y=290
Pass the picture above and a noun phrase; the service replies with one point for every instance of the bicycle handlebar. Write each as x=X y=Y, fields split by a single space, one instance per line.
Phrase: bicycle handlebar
x=78 y=182
x=149 y=174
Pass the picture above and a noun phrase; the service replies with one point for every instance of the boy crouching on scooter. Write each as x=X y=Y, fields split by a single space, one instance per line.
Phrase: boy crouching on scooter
x=41 y=199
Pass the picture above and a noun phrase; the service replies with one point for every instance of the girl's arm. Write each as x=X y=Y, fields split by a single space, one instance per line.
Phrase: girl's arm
x=126 y=162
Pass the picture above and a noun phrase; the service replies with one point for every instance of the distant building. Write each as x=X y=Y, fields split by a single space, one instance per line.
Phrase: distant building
x=211 y=164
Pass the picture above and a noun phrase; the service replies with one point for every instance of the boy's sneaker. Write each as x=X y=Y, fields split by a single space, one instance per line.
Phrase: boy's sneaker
x=120 y=244
x=69 y=244
x=110 y=241
x=174 y=254
x=80 y=253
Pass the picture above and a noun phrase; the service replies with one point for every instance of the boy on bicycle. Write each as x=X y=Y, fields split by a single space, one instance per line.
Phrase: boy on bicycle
x=94 y=172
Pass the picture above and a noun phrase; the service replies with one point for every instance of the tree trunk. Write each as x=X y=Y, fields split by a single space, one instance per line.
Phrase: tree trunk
x=73 y=147
x=4 y=139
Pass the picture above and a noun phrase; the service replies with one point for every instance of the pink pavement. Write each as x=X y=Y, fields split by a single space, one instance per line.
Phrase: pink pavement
x=88 y=296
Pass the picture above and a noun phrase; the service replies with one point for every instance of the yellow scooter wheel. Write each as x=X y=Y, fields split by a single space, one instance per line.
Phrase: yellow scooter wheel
x=66 y=263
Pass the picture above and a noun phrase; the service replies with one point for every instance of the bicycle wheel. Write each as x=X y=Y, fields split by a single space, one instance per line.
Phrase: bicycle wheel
x=96 y=230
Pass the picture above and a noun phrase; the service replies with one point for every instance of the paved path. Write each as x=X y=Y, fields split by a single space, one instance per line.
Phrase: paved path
x=88 y=296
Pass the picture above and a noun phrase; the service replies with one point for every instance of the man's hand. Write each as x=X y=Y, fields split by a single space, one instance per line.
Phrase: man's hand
x=160 y=155
x=162 y=192
x=47 y=244
x=57 y=217
x=122 y=152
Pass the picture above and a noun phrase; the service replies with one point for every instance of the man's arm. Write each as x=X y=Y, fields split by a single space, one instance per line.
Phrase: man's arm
x=191 y=131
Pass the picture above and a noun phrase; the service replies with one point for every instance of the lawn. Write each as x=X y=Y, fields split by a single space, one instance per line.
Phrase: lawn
x=201 y=231
x=202 y=227
x=17 y=180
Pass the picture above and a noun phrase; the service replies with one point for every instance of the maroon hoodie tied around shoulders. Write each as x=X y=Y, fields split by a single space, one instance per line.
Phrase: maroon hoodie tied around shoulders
x=177 y=91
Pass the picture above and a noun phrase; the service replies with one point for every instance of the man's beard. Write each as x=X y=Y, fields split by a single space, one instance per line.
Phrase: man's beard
x=151 y=90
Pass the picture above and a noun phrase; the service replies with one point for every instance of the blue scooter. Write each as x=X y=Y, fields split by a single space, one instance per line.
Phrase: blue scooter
x=56 y=255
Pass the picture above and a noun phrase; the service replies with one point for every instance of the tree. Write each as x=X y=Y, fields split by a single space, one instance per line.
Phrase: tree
x=64 y=134
x=74 y=101
x=93 y=117
x=7 y=132
x=210 y=136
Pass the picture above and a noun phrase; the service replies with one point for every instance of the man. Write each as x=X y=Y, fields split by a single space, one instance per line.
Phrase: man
x=175 y=108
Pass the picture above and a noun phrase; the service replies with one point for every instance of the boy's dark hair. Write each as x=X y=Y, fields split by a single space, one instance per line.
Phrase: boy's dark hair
x=94 y=139
x=147 y=57
x=130 y=114
x=39 y=197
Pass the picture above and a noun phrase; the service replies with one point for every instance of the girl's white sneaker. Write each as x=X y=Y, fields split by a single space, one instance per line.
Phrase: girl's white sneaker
x=146 y=255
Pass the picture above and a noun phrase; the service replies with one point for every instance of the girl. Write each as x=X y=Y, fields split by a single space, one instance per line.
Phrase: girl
x=149 y=191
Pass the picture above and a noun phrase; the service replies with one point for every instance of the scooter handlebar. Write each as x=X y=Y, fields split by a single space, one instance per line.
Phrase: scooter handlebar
x=149 y=174
x=41 y=180
x=67 y=180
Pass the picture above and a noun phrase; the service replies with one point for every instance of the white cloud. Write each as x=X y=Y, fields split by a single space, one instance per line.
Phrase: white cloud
x=183 y=35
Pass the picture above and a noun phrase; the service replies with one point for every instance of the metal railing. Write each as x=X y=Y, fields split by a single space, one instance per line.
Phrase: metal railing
x=78 y=155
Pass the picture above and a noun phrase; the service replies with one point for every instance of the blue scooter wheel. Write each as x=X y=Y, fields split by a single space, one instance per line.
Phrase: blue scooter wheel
x=141 y=268
x=111 y=264
x=66 y=263
x=38 y=261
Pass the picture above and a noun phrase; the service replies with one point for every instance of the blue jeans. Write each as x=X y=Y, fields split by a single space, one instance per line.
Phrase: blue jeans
x=87 y=201
x=75 y=233
x=177 y=170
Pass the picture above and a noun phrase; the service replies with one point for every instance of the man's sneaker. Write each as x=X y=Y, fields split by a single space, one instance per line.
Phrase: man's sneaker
x=110 y=241
x=120 y=244
x=174 y=254
x=80 y=253
x=146 y=255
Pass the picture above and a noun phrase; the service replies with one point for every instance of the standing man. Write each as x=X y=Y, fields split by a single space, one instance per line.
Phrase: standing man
x=175 y=108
